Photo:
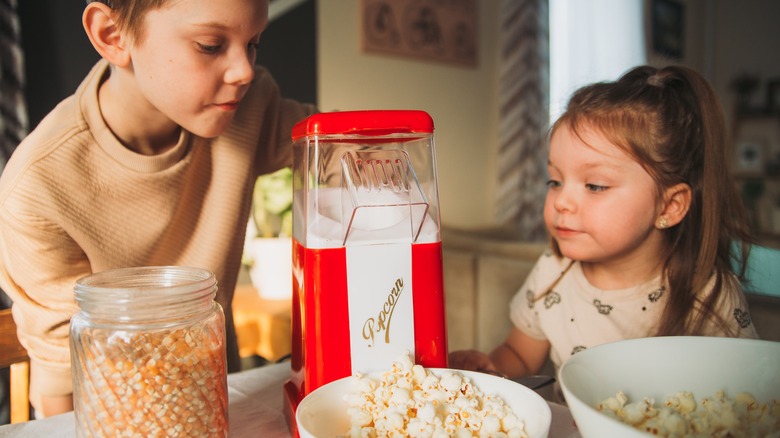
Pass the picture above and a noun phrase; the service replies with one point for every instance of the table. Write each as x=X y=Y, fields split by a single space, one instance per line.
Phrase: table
x=262 y=325
x=255 y=410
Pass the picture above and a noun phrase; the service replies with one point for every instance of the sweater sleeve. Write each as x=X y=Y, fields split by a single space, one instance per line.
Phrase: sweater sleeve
x=38 y=267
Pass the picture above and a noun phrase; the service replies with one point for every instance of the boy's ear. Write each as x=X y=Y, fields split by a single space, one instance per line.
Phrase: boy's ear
x=677 y=201
x=104 y=34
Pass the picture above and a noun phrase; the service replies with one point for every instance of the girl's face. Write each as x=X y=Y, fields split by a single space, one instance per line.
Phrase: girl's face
x=194 y=61
x=601 y=205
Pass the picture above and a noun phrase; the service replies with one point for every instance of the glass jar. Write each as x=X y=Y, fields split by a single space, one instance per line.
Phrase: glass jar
x=148 y=354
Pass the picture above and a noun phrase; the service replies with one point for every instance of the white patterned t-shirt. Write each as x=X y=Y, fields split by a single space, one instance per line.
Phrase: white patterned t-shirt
x=575 y=315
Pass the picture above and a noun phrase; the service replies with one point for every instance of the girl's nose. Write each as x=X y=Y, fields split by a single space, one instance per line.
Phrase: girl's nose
x=564 y=200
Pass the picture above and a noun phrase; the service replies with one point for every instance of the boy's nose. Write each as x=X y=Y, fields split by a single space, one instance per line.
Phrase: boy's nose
x=241 y=70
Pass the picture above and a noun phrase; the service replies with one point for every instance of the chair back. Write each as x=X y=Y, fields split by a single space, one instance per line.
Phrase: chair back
x=14 y=356
x=763 y=270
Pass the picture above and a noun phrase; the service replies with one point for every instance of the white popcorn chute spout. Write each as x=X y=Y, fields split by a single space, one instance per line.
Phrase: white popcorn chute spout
x=381 y=193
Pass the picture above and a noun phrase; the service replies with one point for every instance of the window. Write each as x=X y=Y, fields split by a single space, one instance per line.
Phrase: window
x=591 y=41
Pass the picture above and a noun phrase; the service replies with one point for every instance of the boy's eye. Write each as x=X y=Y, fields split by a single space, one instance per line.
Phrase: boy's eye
x=553 y=184
x=595 y=187
x=209 y=49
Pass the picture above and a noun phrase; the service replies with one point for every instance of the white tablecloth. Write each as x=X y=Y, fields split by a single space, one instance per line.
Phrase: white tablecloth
x=255 y=410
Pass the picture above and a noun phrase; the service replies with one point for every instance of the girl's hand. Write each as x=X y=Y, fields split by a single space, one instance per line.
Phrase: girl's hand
x=520 y=354
x=471 y=360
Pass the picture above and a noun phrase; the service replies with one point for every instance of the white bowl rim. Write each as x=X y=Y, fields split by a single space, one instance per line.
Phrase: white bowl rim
x=545 y=417
x=653 y=340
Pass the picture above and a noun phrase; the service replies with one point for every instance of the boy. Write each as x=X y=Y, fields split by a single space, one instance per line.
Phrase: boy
x=151 y=162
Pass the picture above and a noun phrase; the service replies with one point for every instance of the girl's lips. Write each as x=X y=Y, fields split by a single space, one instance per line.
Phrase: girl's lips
x=565 y=232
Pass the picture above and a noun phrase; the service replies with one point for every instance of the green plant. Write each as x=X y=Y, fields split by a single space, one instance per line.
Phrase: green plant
x=272 y=204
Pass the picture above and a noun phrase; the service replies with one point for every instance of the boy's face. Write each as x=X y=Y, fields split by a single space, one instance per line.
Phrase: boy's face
x=195 y=60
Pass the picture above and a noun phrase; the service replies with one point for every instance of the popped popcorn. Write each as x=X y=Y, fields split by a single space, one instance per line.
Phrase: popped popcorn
x=411 y=401
x=681 y=416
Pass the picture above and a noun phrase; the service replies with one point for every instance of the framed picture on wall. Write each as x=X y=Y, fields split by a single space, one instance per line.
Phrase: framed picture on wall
x=443 y=31
x=667 y=27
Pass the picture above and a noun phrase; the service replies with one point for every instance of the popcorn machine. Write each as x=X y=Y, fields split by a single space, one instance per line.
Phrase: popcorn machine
x=367 y=257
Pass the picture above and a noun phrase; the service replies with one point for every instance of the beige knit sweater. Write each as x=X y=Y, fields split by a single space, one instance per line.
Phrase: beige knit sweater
x=74 y=201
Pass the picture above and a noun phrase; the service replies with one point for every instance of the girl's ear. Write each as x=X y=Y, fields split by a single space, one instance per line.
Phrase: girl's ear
x=677 y=201
x=104 y=34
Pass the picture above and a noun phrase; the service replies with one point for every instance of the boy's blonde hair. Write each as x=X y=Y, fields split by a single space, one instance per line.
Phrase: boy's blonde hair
x=129 y=14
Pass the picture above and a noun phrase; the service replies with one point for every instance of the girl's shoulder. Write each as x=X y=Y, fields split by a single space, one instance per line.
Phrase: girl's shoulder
x=731 y=307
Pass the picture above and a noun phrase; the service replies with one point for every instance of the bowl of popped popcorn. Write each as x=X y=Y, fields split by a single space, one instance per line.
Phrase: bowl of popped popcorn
x=413 y=401
x=675 y=386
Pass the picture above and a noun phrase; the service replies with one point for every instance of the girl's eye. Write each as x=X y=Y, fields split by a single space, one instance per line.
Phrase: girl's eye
x=553 y=184
x=595 y=187
x=253 y=45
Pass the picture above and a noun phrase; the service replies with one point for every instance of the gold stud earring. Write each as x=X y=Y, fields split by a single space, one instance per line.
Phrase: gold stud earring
x=663 y=223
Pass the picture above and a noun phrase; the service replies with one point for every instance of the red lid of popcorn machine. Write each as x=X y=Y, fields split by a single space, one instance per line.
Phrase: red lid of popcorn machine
x=365 y=123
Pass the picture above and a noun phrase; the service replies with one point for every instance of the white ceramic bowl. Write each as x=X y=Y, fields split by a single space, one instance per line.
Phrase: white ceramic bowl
x=658 y=367
x=323 y=413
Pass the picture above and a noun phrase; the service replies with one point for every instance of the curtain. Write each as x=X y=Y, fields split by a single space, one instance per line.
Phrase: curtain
x=13 y=112
x=523 y=117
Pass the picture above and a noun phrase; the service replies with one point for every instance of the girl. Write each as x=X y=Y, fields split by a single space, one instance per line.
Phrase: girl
x=642 y=213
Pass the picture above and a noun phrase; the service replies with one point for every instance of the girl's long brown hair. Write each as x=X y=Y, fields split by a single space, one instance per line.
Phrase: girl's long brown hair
x=671 y=122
